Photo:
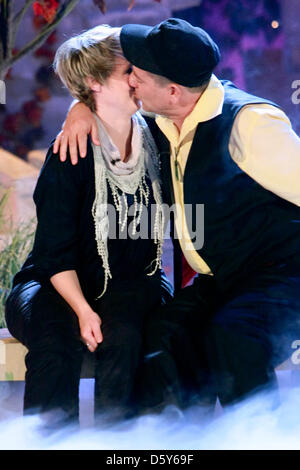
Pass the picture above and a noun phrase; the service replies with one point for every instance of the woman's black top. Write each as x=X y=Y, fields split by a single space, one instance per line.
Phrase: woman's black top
x=65 y=234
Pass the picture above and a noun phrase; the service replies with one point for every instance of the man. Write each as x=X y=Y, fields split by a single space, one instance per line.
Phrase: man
x=238 y=156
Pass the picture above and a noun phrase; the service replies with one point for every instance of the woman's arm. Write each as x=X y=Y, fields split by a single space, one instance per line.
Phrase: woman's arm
x=67 y=285
x=58 y=198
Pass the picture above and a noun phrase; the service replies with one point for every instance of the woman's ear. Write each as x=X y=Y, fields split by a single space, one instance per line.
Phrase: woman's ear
x=93 y=84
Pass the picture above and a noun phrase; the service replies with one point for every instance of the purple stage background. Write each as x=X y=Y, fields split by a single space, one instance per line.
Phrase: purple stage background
x=259 y=42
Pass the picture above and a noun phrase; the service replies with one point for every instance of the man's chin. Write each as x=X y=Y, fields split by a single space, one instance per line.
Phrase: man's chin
x=146 y=111
x=144 y=108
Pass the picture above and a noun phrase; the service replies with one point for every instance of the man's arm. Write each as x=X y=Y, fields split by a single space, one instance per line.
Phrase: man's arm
x=67 y=285
x=79 y=123
x=264 y=145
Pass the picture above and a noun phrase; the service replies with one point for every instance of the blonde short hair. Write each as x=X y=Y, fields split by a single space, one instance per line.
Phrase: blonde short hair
x=90 y=54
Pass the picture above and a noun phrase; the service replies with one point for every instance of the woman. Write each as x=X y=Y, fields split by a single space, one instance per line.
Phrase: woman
x=90 y=277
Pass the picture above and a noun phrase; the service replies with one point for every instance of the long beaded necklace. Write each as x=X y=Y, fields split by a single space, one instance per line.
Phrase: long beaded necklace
x=121 y=204
x=134 y=184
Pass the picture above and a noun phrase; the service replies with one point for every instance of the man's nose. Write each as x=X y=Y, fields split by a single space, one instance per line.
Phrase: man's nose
x=131 y=80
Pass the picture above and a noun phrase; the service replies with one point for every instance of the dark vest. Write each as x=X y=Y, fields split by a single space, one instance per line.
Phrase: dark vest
x=245 y=225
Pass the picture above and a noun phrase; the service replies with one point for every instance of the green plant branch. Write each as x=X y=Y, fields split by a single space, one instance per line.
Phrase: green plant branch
x=15 y=244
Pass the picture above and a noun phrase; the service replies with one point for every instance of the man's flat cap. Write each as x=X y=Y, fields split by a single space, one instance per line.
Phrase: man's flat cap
x=174 y=49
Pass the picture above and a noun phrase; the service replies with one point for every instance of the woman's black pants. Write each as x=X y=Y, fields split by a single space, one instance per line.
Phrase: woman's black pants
x=40 y=318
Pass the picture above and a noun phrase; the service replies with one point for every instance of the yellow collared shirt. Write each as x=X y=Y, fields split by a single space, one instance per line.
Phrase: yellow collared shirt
x=262 y=143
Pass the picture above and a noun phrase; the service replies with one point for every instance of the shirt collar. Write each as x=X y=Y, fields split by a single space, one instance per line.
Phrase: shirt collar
x=208 y=106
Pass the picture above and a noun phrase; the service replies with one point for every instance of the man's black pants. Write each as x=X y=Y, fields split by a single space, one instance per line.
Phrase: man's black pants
x=40 y=318
x=206 y=343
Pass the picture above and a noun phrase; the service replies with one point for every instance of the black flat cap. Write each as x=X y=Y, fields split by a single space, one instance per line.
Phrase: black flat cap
x=174 y=49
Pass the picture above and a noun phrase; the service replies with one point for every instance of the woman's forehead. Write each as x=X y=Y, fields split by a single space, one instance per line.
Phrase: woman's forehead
x=121 y=62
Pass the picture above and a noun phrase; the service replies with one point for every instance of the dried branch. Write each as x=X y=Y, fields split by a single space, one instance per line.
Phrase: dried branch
x=131 y=4
x=5 y=13
x=63 y=11
x=15 y=23
x=2 y=31
x=19 y=16
x=101 y=4
x=10 y=35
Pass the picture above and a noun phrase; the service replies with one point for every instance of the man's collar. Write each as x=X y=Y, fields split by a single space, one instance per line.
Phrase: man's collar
x=208 y=106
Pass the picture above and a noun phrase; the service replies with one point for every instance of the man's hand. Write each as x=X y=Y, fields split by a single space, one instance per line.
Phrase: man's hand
x=90 y=329
x=79 y=123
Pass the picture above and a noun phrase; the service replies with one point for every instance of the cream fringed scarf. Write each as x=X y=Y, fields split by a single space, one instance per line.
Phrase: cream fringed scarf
x=126 y=177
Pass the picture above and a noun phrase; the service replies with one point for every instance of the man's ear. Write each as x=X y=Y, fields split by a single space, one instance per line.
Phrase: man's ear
x=93 y=84
x=175 y=92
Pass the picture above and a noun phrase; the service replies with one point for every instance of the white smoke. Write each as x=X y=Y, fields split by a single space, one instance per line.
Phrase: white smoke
x=255 y=424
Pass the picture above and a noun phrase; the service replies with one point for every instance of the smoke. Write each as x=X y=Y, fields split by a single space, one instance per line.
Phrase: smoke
x=254 y=424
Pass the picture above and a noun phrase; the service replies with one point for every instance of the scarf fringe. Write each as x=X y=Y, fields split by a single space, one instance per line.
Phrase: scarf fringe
x=148 y=161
